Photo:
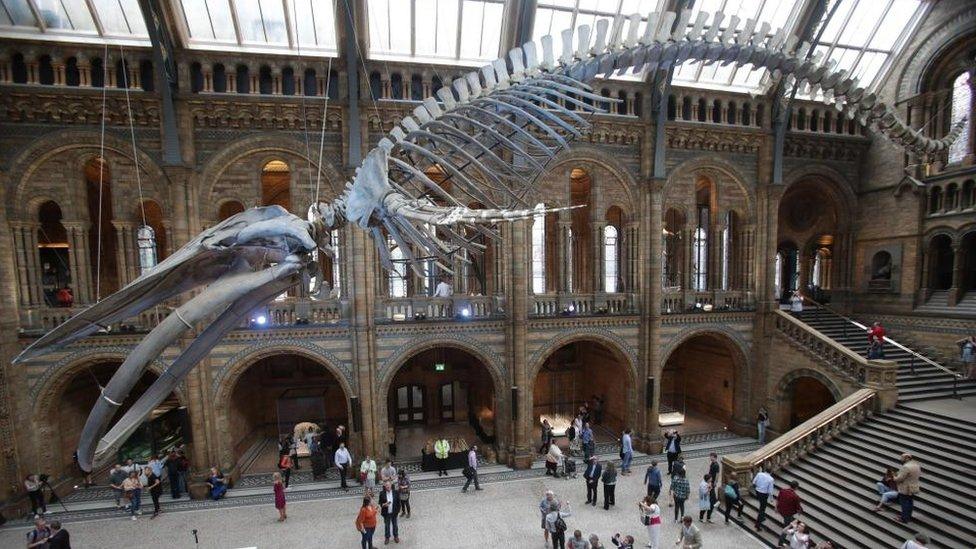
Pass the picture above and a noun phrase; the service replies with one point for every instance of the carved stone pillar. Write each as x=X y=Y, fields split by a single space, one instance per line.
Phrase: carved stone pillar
x=78 y=261
x=565 y=255
x=28 y=264
x=30 y=59
x=127 y=256
x=599 y=257
x=207 y=72
x=135 y=78
x=5 y=70
x=57 y=64
x=515 y=247
x=958 y=260
x=276 y=81
x=84 y=71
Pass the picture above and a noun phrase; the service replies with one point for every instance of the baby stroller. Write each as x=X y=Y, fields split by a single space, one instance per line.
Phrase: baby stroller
x=568 y=469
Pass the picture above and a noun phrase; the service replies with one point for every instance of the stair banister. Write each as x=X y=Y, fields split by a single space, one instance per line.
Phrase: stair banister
x=804 y=438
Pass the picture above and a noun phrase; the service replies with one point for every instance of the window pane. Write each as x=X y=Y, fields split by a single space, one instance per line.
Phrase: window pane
x=862 y=22
x=79 y=14
x=274 y=21
x=603 y=6
x=20 y=13
x=558 y=3
x=197 y=19
x=249 y=19
x=53 y=14
x=133 y=15
x=325 y=27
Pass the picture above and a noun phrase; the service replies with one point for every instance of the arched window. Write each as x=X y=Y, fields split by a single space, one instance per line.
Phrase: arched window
x=968 y=195
x=935 y=200
x=951 y=197
x=310 y=85
x=243 y=79
x=45 y=71
x=287 y=81
x=674 y=225
x=219 y=78
x=397 y=276
x=962 y=106
x=611 y=259
x=196 y=77
x=699 y=275
x=103 y=242
x=375 y=85
x=276 y=184
x=729 y=261
x=265 y=80
x=72 y=76
x=539 y=251
x=53 y=248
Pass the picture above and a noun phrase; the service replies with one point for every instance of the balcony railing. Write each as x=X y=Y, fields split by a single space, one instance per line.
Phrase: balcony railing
x=38 y=320
x=542 y=305
x=438 y=308
x=675 y=301
x=291 y=311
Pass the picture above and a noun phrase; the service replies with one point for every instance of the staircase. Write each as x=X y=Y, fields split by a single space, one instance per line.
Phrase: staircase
x=917 y=380
x=938 y=303
x=837 y=483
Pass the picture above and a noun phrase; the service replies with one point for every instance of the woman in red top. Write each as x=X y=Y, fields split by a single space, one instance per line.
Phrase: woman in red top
x=279 y=493
x=788 y=502
x=366 y=522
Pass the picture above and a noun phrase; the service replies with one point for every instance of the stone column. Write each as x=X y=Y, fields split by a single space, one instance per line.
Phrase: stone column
x=958 y=260
x=79 y=262
x=565 y=254
x=126 y=256
x=57 y=63
x=207 y=72
x=649 y=273
x=599 y=264
x=84 y=71
x=516 y=241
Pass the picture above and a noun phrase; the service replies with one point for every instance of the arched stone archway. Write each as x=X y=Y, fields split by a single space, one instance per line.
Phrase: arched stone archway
x=704 y=380
x=800 y=395
x=262 y=395
x=441 y=387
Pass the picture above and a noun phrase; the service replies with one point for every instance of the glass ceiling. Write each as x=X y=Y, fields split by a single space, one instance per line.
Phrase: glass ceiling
x=260 y=26
x=456 y=32
x=112 y=21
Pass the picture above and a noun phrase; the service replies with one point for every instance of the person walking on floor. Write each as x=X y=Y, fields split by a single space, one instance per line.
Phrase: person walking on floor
x=366 y=523
x=763 y=484
x=592 y=477
x=293 y=451
x=471 y=471
x=60 y=538
x=173 y=473
x=403 y=486
x=577 y=541
x=679 y=494
x=609 y=485
x=762 y=421
x=586 y=438
x=788 y=502
x=390 y=509
x=705 y=499
x=547 y=501
x=36 y=495
x=908 y=478
x=343 y=459
x=154 y=485
x=367 y=473
x=672 y=446
x=279 y=496
x=626 y=452
x=115 y=479
x=887 y=488
x=389 y=473
x=546 y=437
x=285 y=466
x=690 y=537
x=650 y=513
x=714 y=468
x=441 y=449
x=576 y=441
x=39 y=536
x=653 y=480
x=733 y=498
x=132 y=487
x=556 y=524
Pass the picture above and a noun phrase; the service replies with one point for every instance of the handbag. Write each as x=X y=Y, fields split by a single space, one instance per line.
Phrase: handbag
x=646 y=520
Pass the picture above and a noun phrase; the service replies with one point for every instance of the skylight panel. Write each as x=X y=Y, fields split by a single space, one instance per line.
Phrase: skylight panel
x=113 y=21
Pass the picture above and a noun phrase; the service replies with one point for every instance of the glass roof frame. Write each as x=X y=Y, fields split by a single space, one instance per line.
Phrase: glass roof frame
x=115 y=22
x=304 y=27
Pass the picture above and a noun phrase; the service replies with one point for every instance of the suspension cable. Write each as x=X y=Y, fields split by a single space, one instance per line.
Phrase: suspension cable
x=101 y=180
x=132 y=134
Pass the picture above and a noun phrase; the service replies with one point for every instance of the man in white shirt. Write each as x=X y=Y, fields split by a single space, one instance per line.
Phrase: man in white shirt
x=343 y=459
x=763 y=483
x=920 y=541
x=443 y=289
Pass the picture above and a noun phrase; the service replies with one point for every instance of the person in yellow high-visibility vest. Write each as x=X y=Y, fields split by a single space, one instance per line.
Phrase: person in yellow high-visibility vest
x=441 y=449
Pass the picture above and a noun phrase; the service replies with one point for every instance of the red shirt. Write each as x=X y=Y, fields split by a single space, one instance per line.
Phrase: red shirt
x=366 y=517
x=788 y=503
x=876 y=333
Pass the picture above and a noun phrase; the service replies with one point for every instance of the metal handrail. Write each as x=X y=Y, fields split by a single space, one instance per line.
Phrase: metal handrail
x=955 y=375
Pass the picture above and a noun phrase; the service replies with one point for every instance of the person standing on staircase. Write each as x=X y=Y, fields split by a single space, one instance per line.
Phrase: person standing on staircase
x=762 y=421
x=967 y=353
x=876 y=335
x=908 y=479
x=788 y=502
x=920 y=541
x=763 y=484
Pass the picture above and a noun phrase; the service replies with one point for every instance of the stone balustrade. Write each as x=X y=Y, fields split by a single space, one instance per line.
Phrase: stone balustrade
x=38 y=320
x=676 y=300
x=543 y=305
x=438 y=308
x=805 y=438
x=291 y=311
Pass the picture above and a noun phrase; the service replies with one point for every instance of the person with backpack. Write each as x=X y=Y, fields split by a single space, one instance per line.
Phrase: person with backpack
x=732 y=498
x=38 y=537
x=556 y=523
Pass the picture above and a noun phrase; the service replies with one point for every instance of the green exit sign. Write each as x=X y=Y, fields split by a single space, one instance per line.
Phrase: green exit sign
x=439 y=367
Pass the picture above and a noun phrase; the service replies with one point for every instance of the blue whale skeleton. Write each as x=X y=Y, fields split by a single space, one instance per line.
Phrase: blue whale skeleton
x=490 y=132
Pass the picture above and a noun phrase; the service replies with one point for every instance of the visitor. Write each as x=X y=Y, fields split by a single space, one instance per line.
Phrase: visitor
x=339 y=438
x=60 y=538
x=35 y=493
x=157 y=463
x=714 y=468
x=116 y=477
x=39 y=536
x=183 y=463
x=554 y=457
x=796 y=302
x=595 y=542
x=471 y=471
x=733 y=498
x=130 y=466
x=576 y=441
x=279 y=496
x=173 y=472
x=788 y=502
x=444 y=288
x=556 y=523
x=548 y=500
x=626 y=452
x=650 y=513
x=65 y=297
x=967 y=354
x=624 y=542
x=132 y=487
x=763 y=484
x=586 y=439
x=154 y=485
x=546 y=437
x=577 y=541
x=679 y=494
x=876 y=335
x=908 y=479
x=609 y=485
x=390 y=509
x=762 y=421
x=285 y=466
x=653 y=480
x=887 y=488
x=366 y=523
x=216 y=483
x=389 y=472
x=343 y=460
x=293 y=451
x=705 y=500
x=672 y=446
x=441 y=450
x=795 y=535
x=919 y=541
x=367 y=473
x=690 y=537
x=403 y=486
x=592 y=477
